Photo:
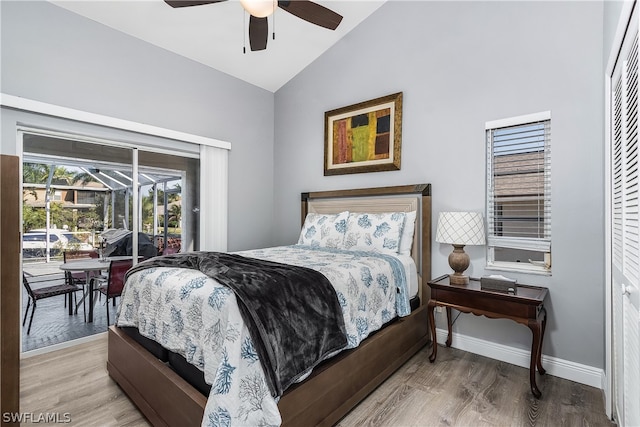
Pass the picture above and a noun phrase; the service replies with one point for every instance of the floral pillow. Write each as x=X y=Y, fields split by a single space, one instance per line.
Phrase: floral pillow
x=324 y=230
x=374 y=232
x=406 y=239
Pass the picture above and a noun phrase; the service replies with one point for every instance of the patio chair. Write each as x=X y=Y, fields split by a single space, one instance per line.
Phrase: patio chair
x=46 y=292
x=70 y=255
x=170 y=250
x=78 y=278
x=114 y=283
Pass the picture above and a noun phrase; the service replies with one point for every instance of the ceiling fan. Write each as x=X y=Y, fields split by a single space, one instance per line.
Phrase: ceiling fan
x=260 y=9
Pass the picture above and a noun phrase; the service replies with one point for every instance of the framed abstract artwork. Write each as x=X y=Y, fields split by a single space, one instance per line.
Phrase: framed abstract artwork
x=364 y=137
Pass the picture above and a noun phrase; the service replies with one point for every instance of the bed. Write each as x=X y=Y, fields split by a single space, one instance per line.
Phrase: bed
x=335 y=386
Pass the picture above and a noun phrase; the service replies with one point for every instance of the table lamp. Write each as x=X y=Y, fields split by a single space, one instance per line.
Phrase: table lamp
x=460 y=229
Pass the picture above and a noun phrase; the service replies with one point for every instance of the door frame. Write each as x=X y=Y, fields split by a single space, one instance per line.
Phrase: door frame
x=217 y=151
x=10 y=289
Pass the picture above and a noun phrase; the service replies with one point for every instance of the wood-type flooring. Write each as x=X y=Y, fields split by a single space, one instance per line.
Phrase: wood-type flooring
x=459 y=389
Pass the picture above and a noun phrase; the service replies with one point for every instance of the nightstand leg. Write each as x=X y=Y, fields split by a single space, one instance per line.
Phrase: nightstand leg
x=449 y=326
x=544 y=325
x=432 y=323
x=536 y=346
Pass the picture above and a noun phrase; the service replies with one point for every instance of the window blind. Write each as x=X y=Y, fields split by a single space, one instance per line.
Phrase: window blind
x=519 y=186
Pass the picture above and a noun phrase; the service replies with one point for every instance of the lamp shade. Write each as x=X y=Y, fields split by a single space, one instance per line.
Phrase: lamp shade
x=460 y=228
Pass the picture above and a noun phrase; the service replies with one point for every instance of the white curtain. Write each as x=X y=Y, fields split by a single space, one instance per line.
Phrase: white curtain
x=213 y=198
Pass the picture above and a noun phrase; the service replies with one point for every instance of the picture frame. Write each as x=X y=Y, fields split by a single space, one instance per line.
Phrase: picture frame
x=364 y=137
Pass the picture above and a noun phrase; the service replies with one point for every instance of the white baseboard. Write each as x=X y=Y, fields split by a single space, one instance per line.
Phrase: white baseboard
x=588 y=375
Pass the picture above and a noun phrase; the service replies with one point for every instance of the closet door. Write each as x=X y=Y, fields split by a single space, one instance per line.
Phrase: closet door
x=625 y=232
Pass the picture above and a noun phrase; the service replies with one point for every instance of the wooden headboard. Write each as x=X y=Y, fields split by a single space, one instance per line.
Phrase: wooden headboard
x=403 y=198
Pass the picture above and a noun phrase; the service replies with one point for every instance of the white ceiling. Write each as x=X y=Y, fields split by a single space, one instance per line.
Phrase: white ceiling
x=215 y=34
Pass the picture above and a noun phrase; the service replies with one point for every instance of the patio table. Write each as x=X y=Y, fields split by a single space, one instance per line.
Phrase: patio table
x=89 y=265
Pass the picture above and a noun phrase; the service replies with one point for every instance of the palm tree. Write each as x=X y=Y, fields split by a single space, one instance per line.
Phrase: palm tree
x=37 y=173
x=175 y=214
x=33 y=173
x=147 y=211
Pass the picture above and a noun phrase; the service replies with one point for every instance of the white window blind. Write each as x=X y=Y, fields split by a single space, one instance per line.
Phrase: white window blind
x=519 y=191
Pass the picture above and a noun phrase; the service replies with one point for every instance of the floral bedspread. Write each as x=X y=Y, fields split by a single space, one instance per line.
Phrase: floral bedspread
x=193 y=315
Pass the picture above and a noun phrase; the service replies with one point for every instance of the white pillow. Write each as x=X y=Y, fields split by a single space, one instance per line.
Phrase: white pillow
x=324 y=230
x=406 y=239
x=378 y=232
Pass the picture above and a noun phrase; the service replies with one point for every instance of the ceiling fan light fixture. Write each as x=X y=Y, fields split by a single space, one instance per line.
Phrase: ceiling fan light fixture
x=259 y=8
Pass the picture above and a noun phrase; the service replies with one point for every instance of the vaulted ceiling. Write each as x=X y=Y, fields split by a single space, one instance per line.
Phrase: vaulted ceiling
x=216 y=34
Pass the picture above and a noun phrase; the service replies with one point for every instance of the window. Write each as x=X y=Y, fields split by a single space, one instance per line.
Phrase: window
x=86 y=198
x=519 y=193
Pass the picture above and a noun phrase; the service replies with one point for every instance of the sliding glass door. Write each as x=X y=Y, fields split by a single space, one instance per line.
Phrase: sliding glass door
x=169 y=200
x=112 y=197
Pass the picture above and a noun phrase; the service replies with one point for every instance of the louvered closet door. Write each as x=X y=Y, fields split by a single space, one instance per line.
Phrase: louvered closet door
x=625 y=191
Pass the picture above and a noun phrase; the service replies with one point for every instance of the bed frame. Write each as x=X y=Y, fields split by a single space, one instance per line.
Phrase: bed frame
x=336 y=386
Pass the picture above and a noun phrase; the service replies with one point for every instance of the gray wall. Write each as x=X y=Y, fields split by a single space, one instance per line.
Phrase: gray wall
x=459 y=65
x=51 y=55
x=612 y=10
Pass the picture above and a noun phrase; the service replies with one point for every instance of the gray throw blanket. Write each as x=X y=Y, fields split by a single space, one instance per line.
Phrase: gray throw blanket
x=292 y=313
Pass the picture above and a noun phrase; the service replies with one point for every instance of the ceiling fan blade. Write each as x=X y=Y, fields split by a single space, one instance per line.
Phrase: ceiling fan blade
x=312 y=12
x=258 y=33
x=185 y=3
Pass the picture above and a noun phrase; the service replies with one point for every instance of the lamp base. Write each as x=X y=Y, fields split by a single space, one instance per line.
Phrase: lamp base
x=459 y=262
x=458 y=279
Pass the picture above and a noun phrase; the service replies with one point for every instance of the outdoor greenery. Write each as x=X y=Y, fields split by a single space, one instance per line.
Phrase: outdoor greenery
x=91 y=219
x=36 y=217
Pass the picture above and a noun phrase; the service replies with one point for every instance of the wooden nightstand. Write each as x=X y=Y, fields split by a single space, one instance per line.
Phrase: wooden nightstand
x=526 y=306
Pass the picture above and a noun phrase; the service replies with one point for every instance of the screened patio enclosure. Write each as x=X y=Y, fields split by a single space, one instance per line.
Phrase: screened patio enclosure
x=78 y=189
x=85 y=188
